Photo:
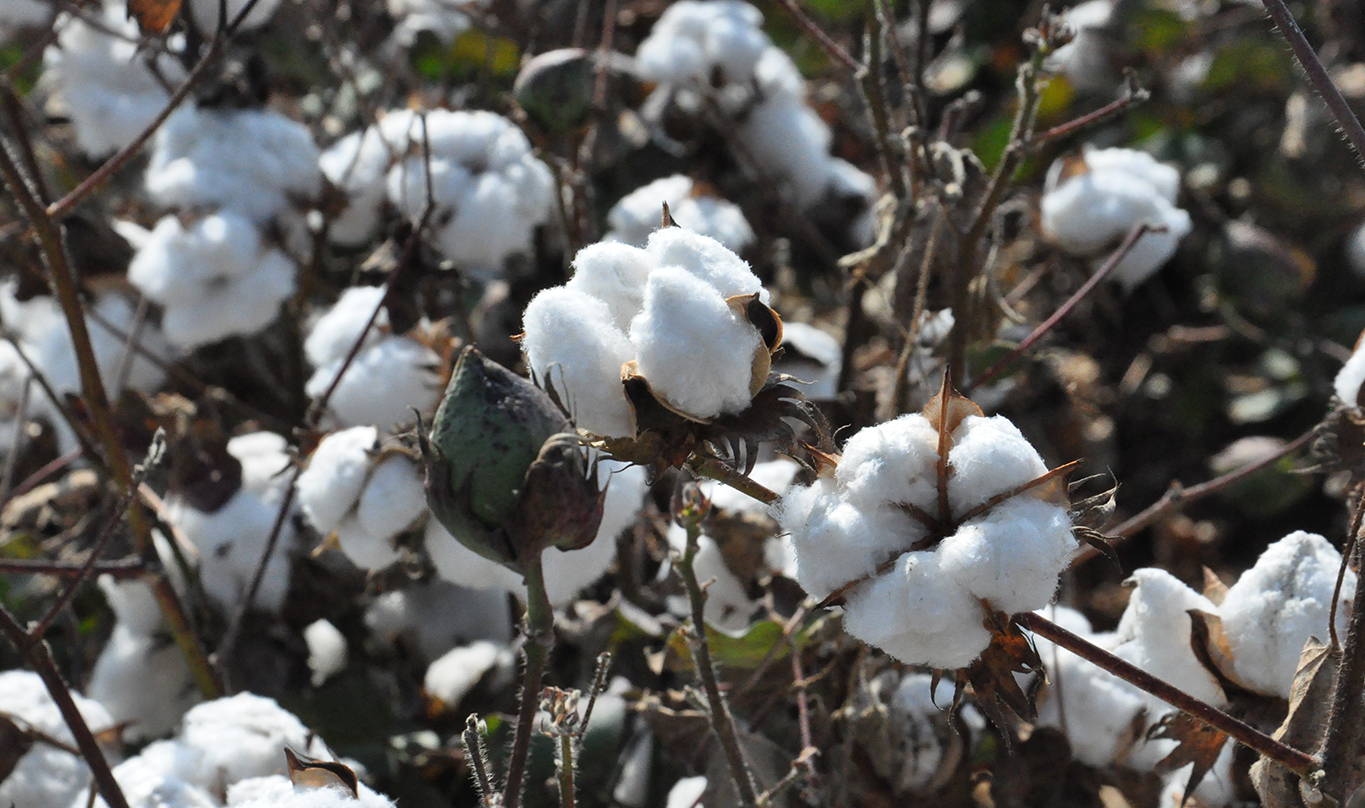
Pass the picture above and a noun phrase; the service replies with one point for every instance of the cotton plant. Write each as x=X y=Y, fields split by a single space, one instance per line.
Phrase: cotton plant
x=632 y=219
x=813 y=357
x=364 y=496
x=696 y=43
x=1348 y=381
x=392 y=375
x=45 y=774
x=451 y=677
x=97 y=75
x=230 y=539
x=1092 y=202
x=1085 y=60
x=684 y=314
x=927 y=524
x=489 y=190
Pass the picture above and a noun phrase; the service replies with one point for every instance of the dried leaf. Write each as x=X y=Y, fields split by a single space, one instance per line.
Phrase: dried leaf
x=1197 y=743
x=947 y=410
x=14 y=744
x=1214 y=588
x=320 y=773
x=1094 y=511
x=1310 y=700
x=992 y=674
x=1211 y=647
x=153 y=16
x=1099 y=541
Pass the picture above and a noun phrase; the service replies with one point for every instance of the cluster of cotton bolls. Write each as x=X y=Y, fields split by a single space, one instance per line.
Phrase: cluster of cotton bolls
x=489 y=191
x=1266 y=619
x=1091 y=203
x=392 y=375
x=668 y=309
x=694 y=44
x=638 y=213
x=913 y=583
x=229 y=752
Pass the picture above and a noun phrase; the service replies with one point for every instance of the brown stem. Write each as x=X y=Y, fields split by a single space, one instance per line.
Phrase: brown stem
x=1133 y=94
x=1317 y=74
x=1298 y=762
x=1343 y=747
x=713 y=468
x=1062 y=311
x=827 y=44
x=127 y=568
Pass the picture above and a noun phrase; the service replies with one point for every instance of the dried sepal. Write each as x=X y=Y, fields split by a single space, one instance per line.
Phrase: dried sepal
x=991 y=676
x=154 y=17
x=1214 y=588
x=320 y=773
x=1196 y=743
x=1211 y=647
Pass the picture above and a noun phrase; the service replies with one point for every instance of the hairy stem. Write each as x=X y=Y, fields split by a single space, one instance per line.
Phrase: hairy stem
x=540 y=637
x=1317 y=74
x=1343 y=747
x=566 y=784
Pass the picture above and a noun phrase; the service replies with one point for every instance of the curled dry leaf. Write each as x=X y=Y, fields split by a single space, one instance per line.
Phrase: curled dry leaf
x=1197 y=743
x=320 y=773
x=992 y=674
x=1310 y=700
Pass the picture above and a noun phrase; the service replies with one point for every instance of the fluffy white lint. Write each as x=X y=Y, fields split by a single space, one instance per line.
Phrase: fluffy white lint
x=234 y=738
x=812 y=356
x=214 y=279
x=205 y=14
x=664 y=306
x=45 y=775
x=1090 y=213
x=1154 y=634
x=336 y=475
x=326 y=650
x=1347 y=383
x=925 y=606
x=433 y=618
x=276 y=791
x=637 y=214
x=333 y=334
x=460 y=669
x=382 y=386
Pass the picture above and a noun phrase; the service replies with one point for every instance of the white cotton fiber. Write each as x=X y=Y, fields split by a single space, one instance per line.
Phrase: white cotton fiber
x=638 y=214
x=326 y=650
x=791 y=144
x=150 y=781
x=393 y=497
x=1275 y=606
x=20 y=13
x=238 y=737
x=728 y=605
x=205 y=14
x=692 y=39
x=574 y=349
x=230 y=542
x=439 y=615
x=382 y=386
x=812 y=356
x=989 y=456
x=45 y=775
x=892 y=462
x=1011 y=555
x=1099 y=712
x=442 y=18
x=336 y=475
x=838 y=542
x=706 y=259
x=335 y=332
x=1349 y=379
x=614 y=274
x=696 y=352
x=1154 y=634
x=452 y=676
x=276 y=791
x=251 y=161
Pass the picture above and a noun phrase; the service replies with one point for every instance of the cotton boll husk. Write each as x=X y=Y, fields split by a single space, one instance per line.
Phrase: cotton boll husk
x=437 y=616
x=1216 y=789
x=790 y=141
x=146 y=783
x=574 y=349
x=616 y=274
x=1099 y=708
x=892 y=462
x=989 y=457
x=383 y=385
x=1272 y=610
x=205 y=14
x=393 y=498
x=818 y=364
x=460 y=669
x=142 y=678
x=728 y=605
x=693 y=348
x=250 y=161
x=334 y=333
x=918 y=614
x=276 y=791
x=45 y=775
x=837 y=542
x=706 y=259
x=326 y=650
x=239 y=737
x=1154 y=634
x=1349 y=379
x=336 y=475
x=1013 y=554
x=230 y=542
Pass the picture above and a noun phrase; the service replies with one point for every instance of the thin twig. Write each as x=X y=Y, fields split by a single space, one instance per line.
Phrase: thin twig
x=1352 y=534
x=826 y=43
x=126 y=568
x=477 y=757
x=1133 y=94
x=1298 y=762
x=1343 y=745
x=715 y=469
x=1317 y=74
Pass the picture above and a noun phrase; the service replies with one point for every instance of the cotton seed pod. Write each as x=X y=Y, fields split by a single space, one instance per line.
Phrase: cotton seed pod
x=489 y=429
x=556 y=88
x=560 y=503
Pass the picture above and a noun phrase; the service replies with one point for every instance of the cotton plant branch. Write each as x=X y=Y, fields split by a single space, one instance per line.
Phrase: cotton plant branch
x=1302 y=764
x=539 y=641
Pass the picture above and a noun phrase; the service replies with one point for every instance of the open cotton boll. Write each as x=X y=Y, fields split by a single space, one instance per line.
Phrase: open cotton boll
x=706 y=259
x=237 y=737
x=45 y=775
x=1350 y=378
x=615 y=274
x=1272 y=610
x=97 y=74
x=812 y=356
x=989 y=457
x=230 y=542
x=1100 y=713
x=637 y=214
x=252 y=161
x=686 y=793
x=146 y=782
x=215 y=278
x=791 y=144
x=276 y=791
x=357 y=164
x=142 y=678
x=1154 y=634
x=439 y=615
x=452 y=676
x=1085 y=60
x=382 y=385
x=1012 y=555
x=336 y=474
x=696 y=352
x=326 y=650
x=334 y=333
x=393 y=498
x=442 y=18
x=206 y=13
x=692 y=39
x=892 y=462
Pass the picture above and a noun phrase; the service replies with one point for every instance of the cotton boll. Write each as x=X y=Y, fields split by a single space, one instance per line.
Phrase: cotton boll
x=458 y=564
x=638 y=213
x=238 y=737
x=693 y=348
x=133 y=604
x=440 y=17
x=393 y=498
x=205 y=14
x=143 y=680
x=98 y=74
x=791 y=143
x=918 y=730
x=382 y=385
x=246 y=160
x=989 y=456
x=706 y=259
x=813 y=357
x=356 y=164
x=616 y=274
x=276 y=791
x=891 y=463
x=326 y=650
x=573 y=348
x=1085 y=60
x=451 y=677
x=1272 y=610
x=1100 y=713
x=230 y=542
x=336 y=476
x=438 y=616
x=334 y=333
x=45 y=775
x=363 y=548
x=1349 y=379
x=146 y=782
x=1154 y=634
x=691 y=39
x=917 y=614
x=686 y=793
x=1012 y=555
